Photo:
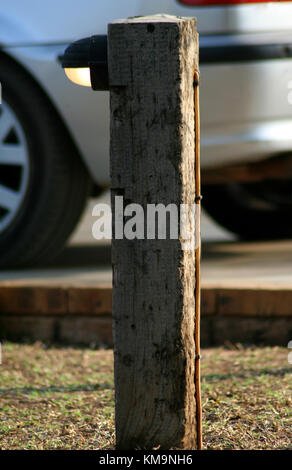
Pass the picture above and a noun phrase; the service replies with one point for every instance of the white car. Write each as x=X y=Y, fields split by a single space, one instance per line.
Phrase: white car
x=54 y=135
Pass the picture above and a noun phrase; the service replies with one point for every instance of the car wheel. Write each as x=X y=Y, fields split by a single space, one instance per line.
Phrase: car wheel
x=43 y=183
x=258 y=211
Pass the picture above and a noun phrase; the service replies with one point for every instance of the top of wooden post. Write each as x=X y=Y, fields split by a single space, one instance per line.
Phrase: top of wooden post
x=124 y=35
x=159 y=18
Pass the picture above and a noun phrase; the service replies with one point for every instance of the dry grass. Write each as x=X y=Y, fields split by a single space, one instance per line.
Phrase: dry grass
x=247 y=398
x=63 y=398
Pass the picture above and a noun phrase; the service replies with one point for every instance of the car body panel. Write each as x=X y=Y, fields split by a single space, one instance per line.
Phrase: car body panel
x=245 y=113
x=85 y=113
x=35 y=22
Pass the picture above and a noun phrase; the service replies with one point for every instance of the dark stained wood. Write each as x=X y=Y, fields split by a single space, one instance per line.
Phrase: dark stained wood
x=152 y=62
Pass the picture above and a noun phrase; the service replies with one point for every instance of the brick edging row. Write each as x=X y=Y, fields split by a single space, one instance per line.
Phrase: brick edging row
x=72 y=314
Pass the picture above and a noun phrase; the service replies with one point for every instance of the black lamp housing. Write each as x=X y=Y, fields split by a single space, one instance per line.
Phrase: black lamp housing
x=89 y=52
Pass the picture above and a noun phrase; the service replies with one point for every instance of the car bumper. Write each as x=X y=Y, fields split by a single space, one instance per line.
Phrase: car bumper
x=245 y=110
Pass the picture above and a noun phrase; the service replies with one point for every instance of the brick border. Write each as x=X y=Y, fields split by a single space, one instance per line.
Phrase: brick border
x=82 y=315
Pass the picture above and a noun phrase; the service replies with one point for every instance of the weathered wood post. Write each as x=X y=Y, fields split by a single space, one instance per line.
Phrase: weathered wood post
x=152 y=63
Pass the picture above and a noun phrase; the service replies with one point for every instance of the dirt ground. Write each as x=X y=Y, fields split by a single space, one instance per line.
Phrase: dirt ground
x=63 y=398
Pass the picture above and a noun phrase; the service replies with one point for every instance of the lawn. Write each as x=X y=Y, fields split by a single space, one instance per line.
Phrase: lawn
x=63 y=398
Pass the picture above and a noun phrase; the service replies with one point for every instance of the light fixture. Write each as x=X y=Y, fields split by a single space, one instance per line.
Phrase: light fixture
x=85 y=62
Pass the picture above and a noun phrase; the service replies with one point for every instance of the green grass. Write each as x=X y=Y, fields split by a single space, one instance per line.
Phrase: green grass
x=63 y=398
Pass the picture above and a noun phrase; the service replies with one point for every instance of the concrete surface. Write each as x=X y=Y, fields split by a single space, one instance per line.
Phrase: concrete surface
x=225 y=261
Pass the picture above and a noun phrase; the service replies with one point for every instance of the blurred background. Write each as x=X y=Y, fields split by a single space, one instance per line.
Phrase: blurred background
x=54 y=135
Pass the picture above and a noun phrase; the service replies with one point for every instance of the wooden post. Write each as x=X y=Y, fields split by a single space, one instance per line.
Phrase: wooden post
x=152 y=62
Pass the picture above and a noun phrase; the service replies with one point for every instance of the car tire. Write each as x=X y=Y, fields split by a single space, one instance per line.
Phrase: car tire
x=43 y=183
x=253 y=211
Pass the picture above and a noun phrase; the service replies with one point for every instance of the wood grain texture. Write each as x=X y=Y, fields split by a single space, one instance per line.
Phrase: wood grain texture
x=151 y=67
